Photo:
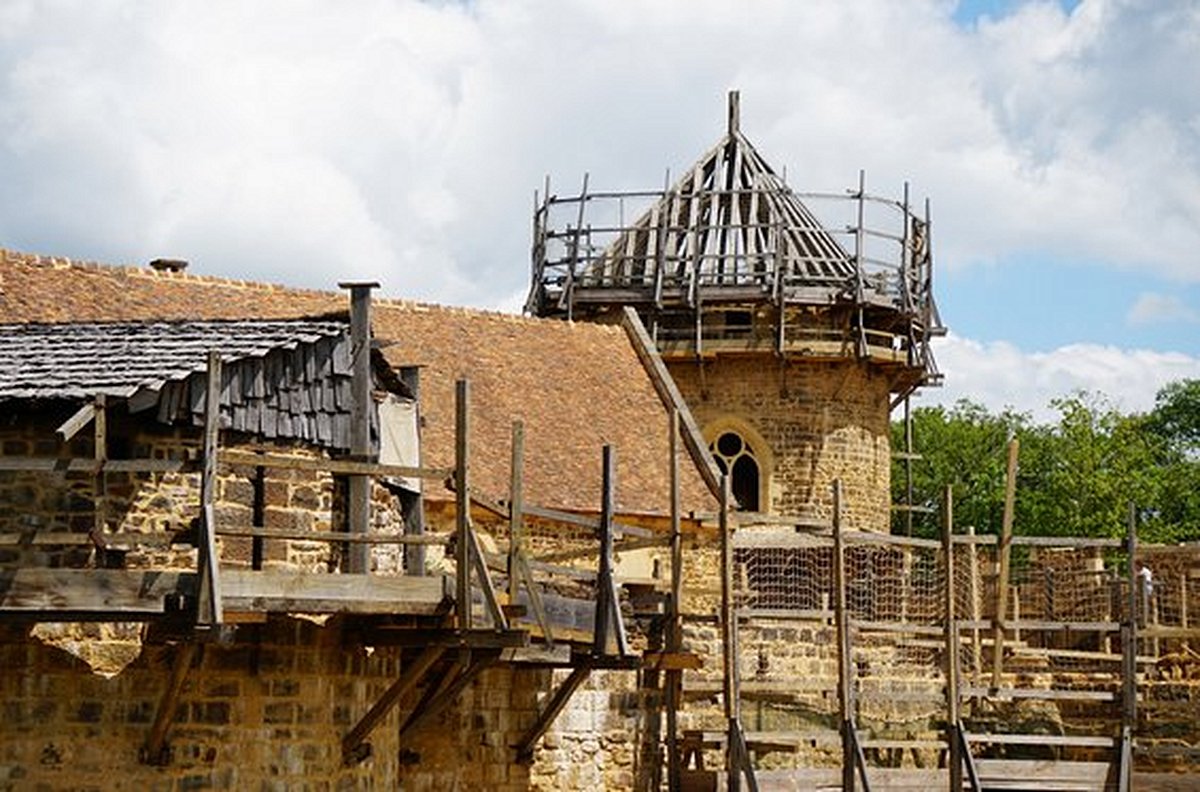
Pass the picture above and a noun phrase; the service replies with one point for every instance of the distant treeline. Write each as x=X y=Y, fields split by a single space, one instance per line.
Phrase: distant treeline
x=1077 y=475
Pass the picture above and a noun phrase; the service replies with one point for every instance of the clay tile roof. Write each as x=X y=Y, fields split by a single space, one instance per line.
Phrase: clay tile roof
x=576 y=386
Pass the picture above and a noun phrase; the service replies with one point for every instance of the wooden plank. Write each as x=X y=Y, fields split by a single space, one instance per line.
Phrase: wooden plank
x=35 y=538
x=333 y=536
x=342 y=466
x=120 y=592
x=1064 y=740
x=672 y=661
x=669 y=393
x=1003 y=694
x=277 y=591
x=791 y=539
x=584 y=521
x=86 y=465
x=1064 y=542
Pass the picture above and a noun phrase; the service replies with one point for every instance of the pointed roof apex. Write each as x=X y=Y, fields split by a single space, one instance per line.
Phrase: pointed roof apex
x=735 y=111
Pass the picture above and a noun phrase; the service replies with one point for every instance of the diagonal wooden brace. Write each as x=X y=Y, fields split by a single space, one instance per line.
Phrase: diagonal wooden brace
x=354 y=742
x=557 y=702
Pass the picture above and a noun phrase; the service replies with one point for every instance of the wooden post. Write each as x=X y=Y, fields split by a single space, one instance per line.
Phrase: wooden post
x=976 y=615
x=100 y=454
x=1129 y=642
x=953 y=720
x=1183 y=606
x=1004 y=552
x=359 y=496
x=209 y=610
x=841 y=620
x=675 y=628
x=516 y=505
x=462 y=496
x=258 y=513
x=608 y=607
x=731 y=692
x=414 y=521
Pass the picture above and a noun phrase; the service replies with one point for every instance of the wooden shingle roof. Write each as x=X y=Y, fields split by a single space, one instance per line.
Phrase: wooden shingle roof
x=576 y=386
x=280 y=378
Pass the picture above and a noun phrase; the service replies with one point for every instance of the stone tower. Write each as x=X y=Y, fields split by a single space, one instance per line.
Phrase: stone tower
x=792 y=322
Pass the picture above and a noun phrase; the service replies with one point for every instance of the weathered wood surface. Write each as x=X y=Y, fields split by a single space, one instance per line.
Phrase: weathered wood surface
x=126 y=593
x=293 y=592
x=997 y=774
x=137 y=594
x=340 y=466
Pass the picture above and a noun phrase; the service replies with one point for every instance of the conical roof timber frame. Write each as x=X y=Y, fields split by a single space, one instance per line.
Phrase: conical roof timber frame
x=731 y=232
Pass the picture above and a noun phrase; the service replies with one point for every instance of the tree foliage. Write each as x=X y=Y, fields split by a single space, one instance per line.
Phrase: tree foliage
x=1077 y=475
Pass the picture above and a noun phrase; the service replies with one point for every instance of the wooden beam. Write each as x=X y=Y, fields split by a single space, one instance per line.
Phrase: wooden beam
x=156 y=751
x=87 y=465
x=358 y=499
x=81 y=418
x=281 y=591
x=233 y=456
x=845 y=666
x=462 y=429
x=1002 y=582
x=128 y=594
x=669 y=393
x=584 y=521
x=557 y=702
x=604 y=589
x=955 y=758
x=208 y=598
x=674 y=677
x=479 y=662
x=516 y=516
x=412 y=674
x=479 y=564
x=332 y=536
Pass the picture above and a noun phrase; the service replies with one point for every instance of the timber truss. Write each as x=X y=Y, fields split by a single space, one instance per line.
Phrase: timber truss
x=731 y=259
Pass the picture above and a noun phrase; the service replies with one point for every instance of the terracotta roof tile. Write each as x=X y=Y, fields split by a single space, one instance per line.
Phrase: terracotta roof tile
x=575 y=386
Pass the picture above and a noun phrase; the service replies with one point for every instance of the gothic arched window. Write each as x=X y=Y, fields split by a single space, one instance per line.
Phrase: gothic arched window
x=737 y=459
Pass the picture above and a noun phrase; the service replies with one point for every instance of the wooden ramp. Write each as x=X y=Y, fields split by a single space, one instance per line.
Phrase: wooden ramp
x=995 y=774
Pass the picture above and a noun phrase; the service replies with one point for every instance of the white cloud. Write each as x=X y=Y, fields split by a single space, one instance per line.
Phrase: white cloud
x=1151 y=308
x=1000 y=375
x=398 y=140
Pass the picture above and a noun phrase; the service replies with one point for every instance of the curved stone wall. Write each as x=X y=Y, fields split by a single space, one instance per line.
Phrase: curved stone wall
x=821 y=421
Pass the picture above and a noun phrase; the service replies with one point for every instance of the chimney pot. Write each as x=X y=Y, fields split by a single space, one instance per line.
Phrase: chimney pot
x=168 y=265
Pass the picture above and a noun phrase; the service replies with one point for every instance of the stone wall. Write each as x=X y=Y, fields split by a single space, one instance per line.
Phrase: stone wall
x=162 y=505
x=820 y=421
x=266 y=712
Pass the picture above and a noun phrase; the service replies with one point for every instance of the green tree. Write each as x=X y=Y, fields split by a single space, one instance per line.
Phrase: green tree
x=1077 y=474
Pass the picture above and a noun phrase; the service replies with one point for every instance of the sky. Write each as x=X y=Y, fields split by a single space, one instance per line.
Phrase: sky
x=311 y=141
